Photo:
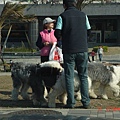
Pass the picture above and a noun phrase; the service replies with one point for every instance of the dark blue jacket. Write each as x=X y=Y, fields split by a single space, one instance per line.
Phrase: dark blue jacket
x=74 y=31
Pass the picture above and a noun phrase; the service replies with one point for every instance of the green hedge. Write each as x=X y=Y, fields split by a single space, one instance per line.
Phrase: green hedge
x=19 y=49
x=105 y=48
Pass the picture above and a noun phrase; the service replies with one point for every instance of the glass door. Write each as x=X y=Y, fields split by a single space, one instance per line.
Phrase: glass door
x=95 y=37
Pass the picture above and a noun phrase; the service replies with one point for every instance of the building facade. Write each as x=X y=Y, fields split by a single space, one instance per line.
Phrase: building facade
x=104 y=20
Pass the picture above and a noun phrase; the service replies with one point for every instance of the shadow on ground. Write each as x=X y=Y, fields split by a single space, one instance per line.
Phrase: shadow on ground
x=8 y=102
x=23 y=104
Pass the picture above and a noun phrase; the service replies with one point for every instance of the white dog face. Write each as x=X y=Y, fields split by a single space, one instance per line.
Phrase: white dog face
x=115 y=73
x=52 y=64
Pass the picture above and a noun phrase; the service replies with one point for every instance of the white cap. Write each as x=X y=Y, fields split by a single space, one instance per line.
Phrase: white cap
x=48 y=20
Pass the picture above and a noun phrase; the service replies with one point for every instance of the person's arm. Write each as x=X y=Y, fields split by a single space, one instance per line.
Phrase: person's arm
x=102 y=51
x=58 y=28
x=39 y=43
x=88 y=27
x=57 y=34
x=89 y=32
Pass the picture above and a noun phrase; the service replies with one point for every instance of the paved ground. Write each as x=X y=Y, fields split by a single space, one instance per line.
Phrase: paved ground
x=36 y=59
x=69 y=114
x=66 y=114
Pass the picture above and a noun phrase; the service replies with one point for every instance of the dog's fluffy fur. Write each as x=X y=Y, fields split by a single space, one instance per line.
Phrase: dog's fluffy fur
x=60 y=89
x=20 y=76
x=97 y=72
x=106 y=76
x=25 y=75
x=52 y=74
x=23 y=78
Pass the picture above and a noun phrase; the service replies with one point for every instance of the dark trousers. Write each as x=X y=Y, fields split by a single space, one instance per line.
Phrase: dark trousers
x=92 y=58
x=81 y=61
x=44 y=59
x=89 y=59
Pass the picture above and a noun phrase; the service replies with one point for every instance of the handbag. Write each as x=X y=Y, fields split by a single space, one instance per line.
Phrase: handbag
x=56 y=54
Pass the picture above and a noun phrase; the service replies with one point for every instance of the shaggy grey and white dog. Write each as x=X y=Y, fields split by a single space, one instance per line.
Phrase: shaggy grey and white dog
x=23 y=78
x=20 y=78
x=106 y=76
x=97 y=72
x=60 y=89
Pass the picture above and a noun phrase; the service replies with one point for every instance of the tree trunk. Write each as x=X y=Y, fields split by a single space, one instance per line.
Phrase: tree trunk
x=79 y=4
x=1 y=56
x=0 y=43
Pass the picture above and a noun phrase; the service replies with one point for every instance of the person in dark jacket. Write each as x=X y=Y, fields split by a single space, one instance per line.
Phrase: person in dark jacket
x=72 y=26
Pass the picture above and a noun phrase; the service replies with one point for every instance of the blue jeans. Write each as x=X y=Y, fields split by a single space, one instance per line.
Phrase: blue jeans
x=81 y=61
x=100 y=57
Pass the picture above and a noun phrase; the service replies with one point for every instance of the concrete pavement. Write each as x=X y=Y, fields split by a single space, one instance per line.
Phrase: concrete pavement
x=36 y=59
x=69 y=114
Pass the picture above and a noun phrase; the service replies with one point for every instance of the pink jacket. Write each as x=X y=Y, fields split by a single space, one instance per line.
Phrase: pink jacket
x=47 y=37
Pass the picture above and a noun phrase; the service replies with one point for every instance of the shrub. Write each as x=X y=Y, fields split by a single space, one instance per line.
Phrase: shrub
x=19 y=49
x=105 y=48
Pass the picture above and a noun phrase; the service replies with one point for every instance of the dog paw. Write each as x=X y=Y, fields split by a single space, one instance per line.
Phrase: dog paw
x=64 y=102
x=78 y=98
x=51 y=105
x=116 y=94
x=43 y=104
x=92 y=95
x=63 y=99
x=104 y=97
x=35 y=102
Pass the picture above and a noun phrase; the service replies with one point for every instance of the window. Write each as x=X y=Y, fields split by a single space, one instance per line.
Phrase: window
x=17 y=33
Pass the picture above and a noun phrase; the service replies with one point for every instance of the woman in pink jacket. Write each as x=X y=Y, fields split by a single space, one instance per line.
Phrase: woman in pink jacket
x=46 y=39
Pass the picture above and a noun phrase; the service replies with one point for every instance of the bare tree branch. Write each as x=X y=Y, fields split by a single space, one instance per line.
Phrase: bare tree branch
x=82 y=3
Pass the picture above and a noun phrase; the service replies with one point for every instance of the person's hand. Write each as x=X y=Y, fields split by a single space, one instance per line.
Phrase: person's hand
x=46 y=43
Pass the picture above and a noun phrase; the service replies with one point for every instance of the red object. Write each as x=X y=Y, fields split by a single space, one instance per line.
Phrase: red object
x=56 y=56
x=93 y=53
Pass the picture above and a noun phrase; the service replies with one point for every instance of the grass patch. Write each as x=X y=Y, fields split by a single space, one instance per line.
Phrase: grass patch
x=19 y=49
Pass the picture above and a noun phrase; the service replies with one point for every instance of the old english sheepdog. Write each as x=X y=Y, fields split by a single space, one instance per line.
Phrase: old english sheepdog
x=97 y=72
x=20 y=78
x=47 y=73
x=59 y=90
x=50 y=73
x=106 y=75
x=23 y=78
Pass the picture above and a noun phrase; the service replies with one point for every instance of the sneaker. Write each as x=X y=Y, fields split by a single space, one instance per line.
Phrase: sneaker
x=84 y=107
